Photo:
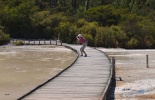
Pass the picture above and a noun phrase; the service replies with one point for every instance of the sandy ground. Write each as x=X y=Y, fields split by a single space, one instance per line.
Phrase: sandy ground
x=138 y=81
x=22 y=68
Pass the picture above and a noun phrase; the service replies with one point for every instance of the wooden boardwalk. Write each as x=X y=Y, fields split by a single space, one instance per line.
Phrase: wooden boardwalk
x=86 y=79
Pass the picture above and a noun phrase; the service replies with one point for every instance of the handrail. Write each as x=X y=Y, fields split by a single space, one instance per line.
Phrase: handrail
x=33 y=41
x=107 y=88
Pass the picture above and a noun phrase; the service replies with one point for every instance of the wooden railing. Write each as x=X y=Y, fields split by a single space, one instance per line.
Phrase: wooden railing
x=39 y=41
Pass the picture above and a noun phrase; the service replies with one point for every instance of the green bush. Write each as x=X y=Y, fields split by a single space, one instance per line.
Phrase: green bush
x=104 y=15
x=105 y=37
x=132 y=43
x=110 y=37
x=139 y=31
x=19 y=42
x=89 y=39
x=4 y=38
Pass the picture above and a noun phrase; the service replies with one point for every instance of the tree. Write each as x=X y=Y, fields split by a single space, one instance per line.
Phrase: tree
x=74 y=5
x=112 y=36
x=100 y=21
x=16 y=19
x=132 y=4
x=4 y=38
x=87 y=4
x=151 y=3
x=105 y=37
x=63 y=31
x=139 y=31
x=105 y=15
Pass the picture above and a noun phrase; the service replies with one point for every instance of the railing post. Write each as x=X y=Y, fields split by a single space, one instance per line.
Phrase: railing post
x=50 y=41
x=44 y=41
x=34 y=41
x=113 y=66
x=147 y=61
x=61 y=42
x=39 y=41
x=29 y=41
x=56 y=41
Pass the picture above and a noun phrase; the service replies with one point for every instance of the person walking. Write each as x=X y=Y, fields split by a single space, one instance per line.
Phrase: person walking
x=84 y=44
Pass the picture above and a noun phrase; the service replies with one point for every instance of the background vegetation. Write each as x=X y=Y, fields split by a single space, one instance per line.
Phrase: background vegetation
x=105 y=23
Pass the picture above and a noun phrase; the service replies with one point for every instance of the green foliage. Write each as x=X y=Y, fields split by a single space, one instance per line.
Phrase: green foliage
x=4 y=38
x=19 y=43
x=120 y=36
x=81 y=22
x=132 y=43
x=89 y=28
x=139 y=31
x=107 y=23
x=104 y=15
x=66 y=32
x=45 y=24
x=110 y=37
x=105 y=37
x=150 y=3
x=15 y=17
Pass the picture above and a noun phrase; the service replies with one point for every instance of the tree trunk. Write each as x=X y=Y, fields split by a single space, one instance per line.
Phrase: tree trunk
x=64 y=3
x=118 y=2
x=87 y=5
x=53 y=3
x=133 y=1
x=74 y=4
x=36 y=2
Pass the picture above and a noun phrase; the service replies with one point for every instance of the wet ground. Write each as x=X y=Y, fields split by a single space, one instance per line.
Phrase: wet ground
x=24 y=67
x=137 y=81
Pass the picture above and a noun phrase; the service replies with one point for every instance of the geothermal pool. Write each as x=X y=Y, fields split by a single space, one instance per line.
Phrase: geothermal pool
x=22 y=68
x=138 y=81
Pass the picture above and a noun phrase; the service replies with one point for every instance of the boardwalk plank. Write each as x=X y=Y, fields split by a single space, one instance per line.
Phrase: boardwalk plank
x=85 y=80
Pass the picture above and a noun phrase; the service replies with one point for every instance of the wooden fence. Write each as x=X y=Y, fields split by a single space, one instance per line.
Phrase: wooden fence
x=38 y=41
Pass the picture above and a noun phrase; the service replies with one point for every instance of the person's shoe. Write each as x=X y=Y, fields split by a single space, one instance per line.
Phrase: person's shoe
x=85 y=56
x=81 y=55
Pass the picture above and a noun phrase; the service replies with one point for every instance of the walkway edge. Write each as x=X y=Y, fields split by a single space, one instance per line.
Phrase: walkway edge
x=106 y=90
x=31 y=91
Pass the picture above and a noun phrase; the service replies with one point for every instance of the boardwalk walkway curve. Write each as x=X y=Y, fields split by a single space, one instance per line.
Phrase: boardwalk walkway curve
x=87 y=78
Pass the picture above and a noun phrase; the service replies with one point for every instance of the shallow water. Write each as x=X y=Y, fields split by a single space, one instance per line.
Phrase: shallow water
x=24 y=67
